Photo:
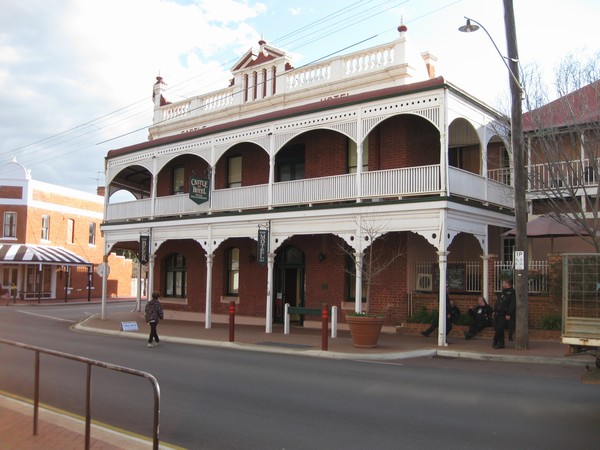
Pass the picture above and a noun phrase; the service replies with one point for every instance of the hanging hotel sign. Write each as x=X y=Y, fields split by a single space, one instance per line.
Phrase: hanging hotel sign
x=144 y=250
x=199 y=189
x=263 y=246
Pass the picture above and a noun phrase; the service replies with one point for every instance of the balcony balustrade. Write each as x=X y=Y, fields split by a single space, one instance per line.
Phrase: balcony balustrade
x=393 y=183
x=551 y=176
x=335 y=70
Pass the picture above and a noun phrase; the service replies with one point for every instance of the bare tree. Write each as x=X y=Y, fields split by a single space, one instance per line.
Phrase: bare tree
x=377 y=258
x=564 y=145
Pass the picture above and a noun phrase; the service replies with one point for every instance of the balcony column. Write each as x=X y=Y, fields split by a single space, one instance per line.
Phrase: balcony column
x=208 y=296
x=271 y=170
x=485 y=288
x=154 y=188
x=484 y=162
x=444 y=141
x=442 y=292
x=358 y=264
x=269 y=312
x=359 y=157
x=212 y=187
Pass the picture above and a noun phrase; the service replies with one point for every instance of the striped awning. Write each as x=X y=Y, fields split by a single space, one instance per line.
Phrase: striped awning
x=44 y=254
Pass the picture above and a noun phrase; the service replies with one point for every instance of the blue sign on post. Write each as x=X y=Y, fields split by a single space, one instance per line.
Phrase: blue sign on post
x=263 y=246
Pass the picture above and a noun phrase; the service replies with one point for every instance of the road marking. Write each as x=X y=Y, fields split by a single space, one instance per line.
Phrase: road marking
x=379 y=362
x=47 y=317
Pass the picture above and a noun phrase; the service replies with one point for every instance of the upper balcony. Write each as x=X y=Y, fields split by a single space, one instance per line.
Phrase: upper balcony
x=371 y=126
x=377 y=186
x=265 y=80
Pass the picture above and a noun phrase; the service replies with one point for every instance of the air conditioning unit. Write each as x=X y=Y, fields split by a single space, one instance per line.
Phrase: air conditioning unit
x=424 y=282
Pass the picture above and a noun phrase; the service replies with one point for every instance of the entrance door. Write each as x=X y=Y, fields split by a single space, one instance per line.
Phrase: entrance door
x=289 y=283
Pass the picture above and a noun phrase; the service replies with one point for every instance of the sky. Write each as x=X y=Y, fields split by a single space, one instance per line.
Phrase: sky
x=76 y=76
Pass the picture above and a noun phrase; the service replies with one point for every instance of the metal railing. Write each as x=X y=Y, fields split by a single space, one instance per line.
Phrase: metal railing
x=425 y=274
x=89 y=363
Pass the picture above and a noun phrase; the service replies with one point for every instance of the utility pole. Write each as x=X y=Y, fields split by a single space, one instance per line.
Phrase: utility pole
x=521 y=283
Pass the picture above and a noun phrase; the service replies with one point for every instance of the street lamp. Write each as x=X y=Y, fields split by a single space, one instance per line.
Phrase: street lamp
x=519 y=169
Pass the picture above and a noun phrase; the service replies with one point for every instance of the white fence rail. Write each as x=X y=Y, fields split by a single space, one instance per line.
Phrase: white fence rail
x=469 y=275
x=392 y=183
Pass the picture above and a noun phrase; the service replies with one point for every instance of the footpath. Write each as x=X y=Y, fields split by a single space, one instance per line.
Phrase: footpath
x=57 y=430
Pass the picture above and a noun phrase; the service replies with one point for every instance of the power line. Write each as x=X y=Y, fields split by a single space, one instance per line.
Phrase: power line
x=332 y=23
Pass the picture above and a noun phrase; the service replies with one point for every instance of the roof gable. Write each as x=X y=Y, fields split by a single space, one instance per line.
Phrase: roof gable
x=253 y=57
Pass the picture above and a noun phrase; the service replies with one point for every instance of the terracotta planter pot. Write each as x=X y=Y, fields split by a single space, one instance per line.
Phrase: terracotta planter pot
x=364 y=330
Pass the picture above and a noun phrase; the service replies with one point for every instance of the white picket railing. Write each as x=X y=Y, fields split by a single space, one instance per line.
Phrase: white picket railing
x=426 y=274
x=392 y=183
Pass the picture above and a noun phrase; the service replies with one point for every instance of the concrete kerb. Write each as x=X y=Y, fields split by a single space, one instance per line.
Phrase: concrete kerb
x=525 y=359
x=81 y=327
x=408 y=354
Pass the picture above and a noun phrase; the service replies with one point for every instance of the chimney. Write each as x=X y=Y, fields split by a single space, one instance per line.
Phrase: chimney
x=430 y=61
x=101 y=191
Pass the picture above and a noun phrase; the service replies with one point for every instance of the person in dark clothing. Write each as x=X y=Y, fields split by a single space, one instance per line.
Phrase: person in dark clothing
x=452 y=315
x=481 y=315
x=153 y=313
x=504 y=310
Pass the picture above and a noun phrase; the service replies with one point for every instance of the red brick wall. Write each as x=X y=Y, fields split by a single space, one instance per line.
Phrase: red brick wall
x=403 y=141
x=29 y=228
x=325 y=153
x=255 y=165
x=195 y=258
x=325 y=281
x=15 y=192
x=193 y=165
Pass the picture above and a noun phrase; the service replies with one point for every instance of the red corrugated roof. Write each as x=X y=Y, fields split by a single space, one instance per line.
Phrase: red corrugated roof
x=280 y=114
x=579 y=107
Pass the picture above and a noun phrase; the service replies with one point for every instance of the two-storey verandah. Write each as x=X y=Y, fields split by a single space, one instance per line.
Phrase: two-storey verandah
x=419 y=162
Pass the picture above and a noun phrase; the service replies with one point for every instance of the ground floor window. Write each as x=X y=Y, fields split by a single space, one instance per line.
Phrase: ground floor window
x=233 y=271
x=38 y=281
x=176 y=276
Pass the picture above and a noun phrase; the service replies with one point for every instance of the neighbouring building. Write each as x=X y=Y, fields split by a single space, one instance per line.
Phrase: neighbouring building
x=299 y=185
x=51 y=241
x=563 y=141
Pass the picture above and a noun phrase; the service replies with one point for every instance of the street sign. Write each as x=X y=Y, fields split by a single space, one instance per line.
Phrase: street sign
x=519 y=260
x=199 y=189
x=103 y=269
x=263 y=246
x=144 y=249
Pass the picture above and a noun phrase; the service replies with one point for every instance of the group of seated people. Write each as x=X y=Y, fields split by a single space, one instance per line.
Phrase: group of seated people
x=481 y=315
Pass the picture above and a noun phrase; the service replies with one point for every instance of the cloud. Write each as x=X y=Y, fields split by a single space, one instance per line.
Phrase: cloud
x=67 y=63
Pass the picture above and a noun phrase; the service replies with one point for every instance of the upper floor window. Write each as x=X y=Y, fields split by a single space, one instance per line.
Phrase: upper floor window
x=456 y=157
x=178 y=180
x=10 y=224
x=46 y=228
x=290 y=163
x=233 y=271
x=92 y=234
x=353 y=156
x=70 y=231
x=234 y=171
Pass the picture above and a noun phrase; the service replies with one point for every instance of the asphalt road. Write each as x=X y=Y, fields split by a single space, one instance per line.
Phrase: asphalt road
x=230 y=399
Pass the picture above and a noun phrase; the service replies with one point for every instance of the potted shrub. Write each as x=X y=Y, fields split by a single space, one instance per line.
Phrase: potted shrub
x=364 y=329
